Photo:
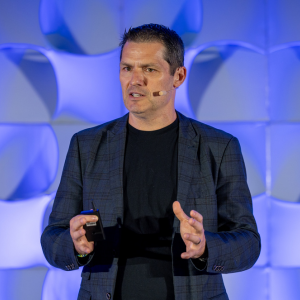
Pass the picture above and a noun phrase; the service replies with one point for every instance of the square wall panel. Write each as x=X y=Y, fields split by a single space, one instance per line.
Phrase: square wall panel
x=183 y=16
x=89 y=88
x=28 y=160
x=284 y=284
x=227 y=83
x=248 y=285
x=285 y=161
x=283 y=21
x=252 y=140
x=19 y=22
x=24 y=236
x=22 y=284
x=28 y=90
x=61 y=285
x=233 y=20
x=284 y=84
x=81 y=27
x=284 y=234
x=64 y=133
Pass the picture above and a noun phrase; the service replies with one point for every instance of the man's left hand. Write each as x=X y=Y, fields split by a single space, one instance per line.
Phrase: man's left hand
x=192 y=232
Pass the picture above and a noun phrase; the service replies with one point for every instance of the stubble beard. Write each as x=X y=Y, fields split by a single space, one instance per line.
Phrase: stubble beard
x=138 y=109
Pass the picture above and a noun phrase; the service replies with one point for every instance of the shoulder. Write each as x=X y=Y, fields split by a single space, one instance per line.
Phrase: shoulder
x=91 y=133
x=89 y=140
x=206 y=132
x=210 y=132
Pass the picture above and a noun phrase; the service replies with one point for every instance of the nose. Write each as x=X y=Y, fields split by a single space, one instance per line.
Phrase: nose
x=137 y=77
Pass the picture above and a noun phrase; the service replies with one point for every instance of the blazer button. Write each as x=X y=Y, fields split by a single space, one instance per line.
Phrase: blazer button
x=108 y=296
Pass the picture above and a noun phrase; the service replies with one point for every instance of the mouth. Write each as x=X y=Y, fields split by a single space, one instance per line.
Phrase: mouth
x=136 y=95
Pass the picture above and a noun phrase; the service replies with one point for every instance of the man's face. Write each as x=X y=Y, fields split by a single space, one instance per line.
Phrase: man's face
x=143 y=71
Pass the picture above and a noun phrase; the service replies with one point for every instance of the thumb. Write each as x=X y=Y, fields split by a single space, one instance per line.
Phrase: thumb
x=178 y=211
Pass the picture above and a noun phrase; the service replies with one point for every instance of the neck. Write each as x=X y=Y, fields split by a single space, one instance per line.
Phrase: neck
x=151 y=123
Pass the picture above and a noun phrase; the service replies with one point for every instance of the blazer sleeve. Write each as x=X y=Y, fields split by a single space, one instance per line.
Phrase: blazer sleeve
x=236 y=246
x=56 y=240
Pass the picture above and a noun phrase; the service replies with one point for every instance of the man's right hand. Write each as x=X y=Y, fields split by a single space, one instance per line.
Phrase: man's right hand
x=81 y=244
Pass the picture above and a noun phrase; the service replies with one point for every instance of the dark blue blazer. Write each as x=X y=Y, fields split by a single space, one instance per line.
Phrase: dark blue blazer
x=211 y=180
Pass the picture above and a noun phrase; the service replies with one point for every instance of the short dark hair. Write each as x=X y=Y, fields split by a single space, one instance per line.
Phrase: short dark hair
x=174 y=53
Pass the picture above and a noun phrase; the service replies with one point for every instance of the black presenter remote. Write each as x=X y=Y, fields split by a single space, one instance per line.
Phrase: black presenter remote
x=94 y=230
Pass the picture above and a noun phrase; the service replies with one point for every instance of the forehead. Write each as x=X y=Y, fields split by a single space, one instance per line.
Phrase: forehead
x=151 y=51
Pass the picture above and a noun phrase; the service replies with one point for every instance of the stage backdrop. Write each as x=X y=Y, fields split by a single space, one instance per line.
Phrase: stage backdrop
x=59 y=74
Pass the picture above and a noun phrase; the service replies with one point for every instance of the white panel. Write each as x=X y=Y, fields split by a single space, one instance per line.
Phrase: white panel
x=61 y=285
x=284 y=284
x=23 y=221
x=285 y=161
x=89 y=87
x=28 y=160
x=233 y=20
x=19 y=22
x=27 y=85
x=22 y=284
x=64 y=133
x=248 y=285
x=284 y=84
x=284 y=234
x=227 y=83
x=82 y=27
x=185 y=17
x=284 y=25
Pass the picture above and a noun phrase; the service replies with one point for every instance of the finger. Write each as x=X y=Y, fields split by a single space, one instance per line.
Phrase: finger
x=197 y=216
x=196 y=225
x=195 y=239
x=78 y=234
x=88 y=249
x=84 y=249
x=189 y=254
x=83 y=246
x=77 y=222
x=178 y=211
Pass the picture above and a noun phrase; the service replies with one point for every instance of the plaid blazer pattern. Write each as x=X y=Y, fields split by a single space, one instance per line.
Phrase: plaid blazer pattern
x=211 y=180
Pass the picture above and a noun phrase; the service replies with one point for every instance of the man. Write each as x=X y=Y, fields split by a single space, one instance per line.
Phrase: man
x=141 y=170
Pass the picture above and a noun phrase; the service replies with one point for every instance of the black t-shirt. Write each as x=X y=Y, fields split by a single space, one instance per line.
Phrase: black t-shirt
x=150 y=188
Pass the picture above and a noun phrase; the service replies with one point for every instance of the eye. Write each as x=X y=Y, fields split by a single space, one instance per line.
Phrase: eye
x=150 y=70
x=127 y=69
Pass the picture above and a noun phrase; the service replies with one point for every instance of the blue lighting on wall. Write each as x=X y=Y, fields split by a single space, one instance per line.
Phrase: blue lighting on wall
x=59 y=65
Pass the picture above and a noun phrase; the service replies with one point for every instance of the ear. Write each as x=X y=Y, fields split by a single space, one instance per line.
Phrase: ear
x=179 y=77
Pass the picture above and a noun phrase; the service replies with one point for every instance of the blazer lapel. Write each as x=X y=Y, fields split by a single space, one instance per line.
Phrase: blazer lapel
x=188 y=142
x=116 y=149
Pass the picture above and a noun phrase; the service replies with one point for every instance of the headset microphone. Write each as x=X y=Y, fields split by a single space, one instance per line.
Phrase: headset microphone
x=162 y=93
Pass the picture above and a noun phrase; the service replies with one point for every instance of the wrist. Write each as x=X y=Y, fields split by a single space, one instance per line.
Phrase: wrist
x=82 y=255
x=79 y=254
x=204 y=255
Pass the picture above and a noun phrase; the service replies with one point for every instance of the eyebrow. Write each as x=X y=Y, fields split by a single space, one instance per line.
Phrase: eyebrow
x=142 y=65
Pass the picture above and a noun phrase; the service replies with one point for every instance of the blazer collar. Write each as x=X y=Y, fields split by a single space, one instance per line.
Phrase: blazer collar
x=186 y=129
